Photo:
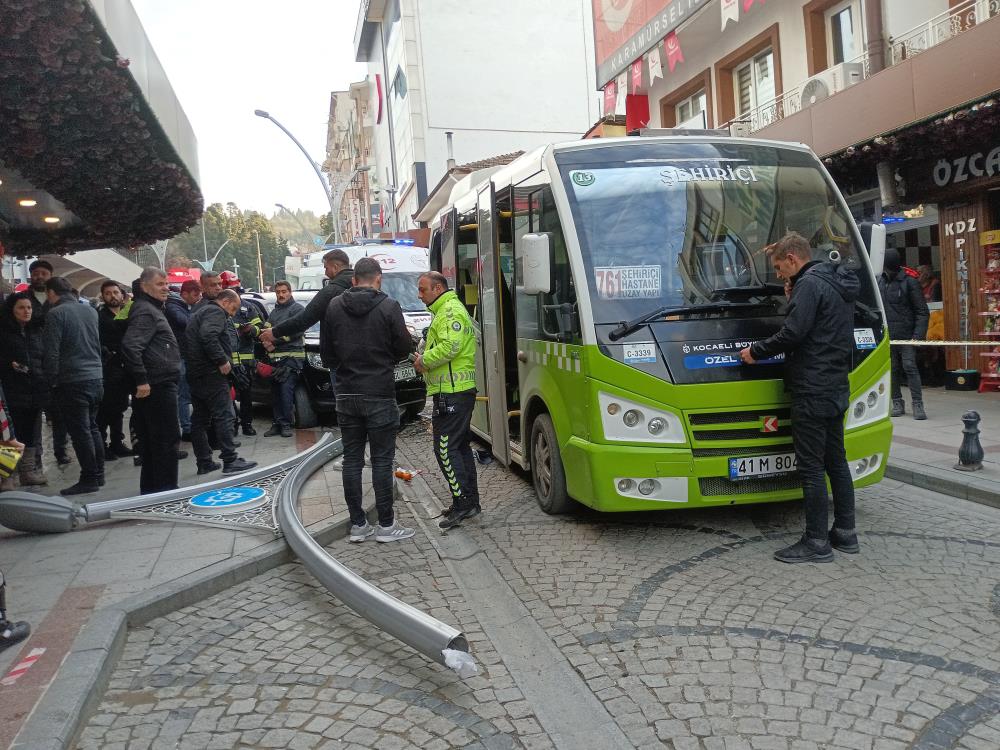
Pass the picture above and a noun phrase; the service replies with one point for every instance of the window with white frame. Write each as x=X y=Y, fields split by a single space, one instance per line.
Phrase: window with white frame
x=843 y=32
x=753 y=82
x=691 y=113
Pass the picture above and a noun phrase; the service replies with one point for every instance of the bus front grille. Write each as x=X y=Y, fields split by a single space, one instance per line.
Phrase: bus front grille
x=759 y=450
x=741 y=433
x=743 y=425
x=723 y=486
x=728 y=417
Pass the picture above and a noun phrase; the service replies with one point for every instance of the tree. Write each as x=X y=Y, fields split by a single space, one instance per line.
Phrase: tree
x=241 y=228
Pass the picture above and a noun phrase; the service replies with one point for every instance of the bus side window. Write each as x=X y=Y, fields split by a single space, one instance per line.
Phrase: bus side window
x=467 y=262
x=558 y=311
x=526 y=305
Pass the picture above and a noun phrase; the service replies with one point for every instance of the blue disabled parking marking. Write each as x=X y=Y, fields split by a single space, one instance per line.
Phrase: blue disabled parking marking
x=230 y=497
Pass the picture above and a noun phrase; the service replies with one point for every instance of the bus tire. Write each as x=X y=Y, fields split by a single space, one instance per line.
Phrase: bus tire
x=547 y=473
x=305 y=415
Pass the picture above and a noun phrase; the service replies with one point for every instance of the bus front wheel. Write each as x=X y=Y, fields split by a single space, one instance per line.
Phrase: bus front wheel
x=546 y=468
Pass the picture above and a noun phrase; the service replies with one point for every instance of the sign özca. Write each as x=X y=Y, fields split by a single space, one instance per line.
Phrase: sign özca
x=981 y=164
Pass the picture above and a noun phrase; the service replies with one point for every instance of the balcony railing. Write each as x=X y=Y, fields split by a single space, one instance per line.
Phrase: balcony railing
x=941 y=28
x=789 y=102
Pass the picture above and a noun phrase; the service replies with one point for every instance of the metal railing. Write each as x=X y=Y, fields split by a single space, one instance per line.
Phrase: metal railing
x=941 y=28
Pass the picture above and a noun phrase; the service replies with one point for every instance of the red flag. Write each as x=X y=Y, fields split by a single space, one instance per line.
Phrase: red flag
x=636 y=75
x=748 y=4
x=674 y=54
x=609 y=98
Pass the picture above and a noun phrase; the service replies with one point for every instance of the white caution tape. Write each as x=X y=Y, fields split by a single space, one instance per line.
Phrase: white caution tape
x=945 y=343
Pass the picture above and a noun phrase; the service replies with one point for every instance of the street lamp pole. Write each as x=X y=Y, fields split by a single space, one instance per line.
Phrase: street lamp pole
x=209 y=264
x=313 y=164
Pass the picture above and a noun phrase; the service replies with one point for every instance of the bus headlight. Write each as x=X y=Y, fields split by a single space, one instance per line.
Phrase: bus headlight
x=871 y=405
x=631 y=422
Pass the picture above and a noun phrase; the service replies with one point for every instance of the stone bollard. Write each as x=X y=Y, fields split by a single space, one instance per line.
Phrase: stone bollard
x=970 y=454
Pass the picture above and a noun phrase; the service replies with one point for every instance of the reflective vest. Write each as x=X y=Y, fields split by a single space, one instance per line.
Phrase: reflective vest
x=450 y=352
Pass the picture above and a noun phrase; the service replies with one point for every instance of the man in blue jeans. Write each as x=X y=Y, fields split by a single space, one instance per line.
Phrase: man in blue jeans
x=363 y=337
x=817 y=339
x=287 y=354
x=72 y=364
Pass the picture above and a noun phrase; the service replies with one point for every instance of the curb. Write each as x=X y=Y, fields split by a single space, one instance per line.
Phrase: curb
x=82 y=679
x=966 y=487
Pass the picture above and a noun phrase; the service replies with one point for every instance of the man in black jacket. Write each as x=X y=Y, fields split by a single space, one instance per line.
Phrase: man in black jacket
x=363 y=337
x=907 y=315
x=817 y=339
x=110 y=417
x=72 y=363
x=337 y=267
x=178 y=311
x=153 y=361
x=209 y=349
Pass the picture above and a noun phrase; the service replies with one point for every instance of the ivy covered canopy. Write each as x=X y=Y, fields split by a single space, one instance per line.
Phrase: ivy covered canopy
x=74 y=123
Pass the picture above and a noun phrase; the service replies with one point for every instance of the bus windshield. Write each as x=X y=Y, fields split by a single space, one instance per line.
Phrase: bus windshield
x=687 y=224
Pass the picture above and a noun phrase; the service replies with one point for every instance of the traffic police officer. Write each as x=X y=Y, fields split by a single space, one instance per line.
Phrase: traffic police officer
x=248 y=323
x=448 y=366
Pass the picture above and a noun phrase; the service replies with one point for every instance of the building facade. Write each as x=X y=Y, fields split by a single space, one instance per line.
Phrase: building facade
x=348 y=161
x=500 y=77
x=899 y=98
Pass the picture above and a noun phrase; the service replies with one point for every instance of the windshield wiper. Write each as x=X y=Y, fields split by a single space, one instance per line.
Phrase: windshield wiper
x=746 y=292
x=625 y=328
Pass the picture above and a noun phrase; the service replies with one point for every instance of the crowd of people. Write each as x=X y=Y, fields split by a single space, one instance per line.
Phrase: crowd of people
x=184 y=361
x=177 y=358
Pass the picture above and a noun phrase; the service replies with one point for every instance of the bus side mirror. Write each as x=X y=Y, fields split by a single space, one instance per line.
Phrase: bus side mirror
x=537 y=253
x=874 y=238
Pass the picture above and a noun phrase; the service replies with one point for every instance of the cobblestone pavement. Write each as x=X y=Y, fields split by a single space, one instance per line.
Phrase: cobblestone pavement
x=681 y=624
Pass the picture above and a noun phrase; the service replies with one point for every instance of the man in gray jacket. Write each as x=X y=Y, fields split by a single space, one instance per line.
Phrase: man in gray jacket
x=72 y=364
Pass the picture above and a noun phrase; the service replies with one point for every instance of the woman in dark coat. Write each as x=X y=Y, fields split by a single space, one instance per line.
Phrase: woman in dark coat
x=23 y=382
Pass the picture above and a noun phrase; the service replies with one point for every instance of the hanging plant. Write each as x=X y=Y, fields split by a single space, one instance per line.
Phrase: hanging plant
x=76 y=125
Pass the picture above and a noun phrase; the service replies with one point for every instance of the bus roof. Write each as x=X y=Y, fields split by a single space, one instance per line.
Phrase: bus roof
x=532 y=162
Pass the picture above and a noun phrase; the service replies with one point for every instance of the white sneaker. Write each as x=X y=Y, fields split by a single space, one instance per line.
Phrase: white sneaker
x=360 y=533
x=392 y=533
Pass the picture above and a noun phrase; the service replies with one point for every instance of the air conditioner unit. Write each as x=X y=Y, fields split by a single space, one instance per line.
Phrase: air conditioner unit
x=830 y=81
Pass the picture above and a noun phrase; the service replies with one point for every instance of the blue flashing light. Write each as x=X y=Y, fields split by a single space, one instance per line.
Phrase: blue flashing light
x=893 y=219
x=403 y=242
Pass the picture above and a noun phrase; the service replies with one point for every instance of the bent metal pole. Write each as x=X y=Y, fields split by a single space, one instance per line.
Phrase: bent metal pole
x=416 y=629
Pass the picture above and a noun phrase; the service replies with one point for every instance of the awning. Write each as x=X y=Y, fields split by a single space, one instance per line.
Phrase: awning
x=96 y=152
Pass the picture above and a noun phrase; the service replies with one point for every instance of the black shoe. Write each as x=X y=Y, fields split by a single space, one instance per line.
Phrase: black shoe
x=286 y=432
x=79 y=489
x=185 y=437
x=13 y=632
x=805 y=550
x=237 y=466
x=457 y=515
x=120 y=450
x=209 y=467
x=918 y=410
x=273 y=431
x=248 y=430
x=844 y=541
x=181 y=455
x=137 y=460
x=63 y=459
